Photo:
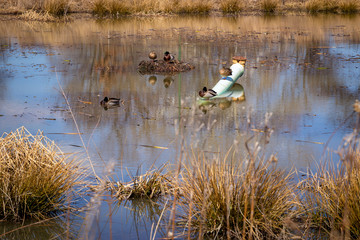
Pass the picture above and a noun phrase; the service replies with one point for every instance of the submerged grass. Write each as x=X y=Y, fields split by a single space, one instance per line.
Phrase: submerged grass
x=35 y=178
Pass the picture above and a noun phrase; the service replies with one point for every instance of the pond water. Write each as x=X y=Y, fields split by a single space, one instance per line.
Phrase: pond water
x=302 y=69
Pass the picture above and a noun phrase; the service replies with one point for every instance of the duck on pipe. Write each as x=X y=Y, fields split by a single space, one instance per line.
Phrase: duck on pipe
x=229 y=77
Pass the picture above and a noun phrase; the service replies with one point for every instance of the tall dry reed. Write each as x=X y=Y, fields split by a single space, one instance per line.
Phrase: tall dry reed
x=36 y=179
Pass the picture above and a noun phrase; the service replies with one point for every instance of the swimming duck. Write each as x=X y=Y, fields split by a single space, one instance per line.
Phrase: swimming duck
x=110 y=102
x=152 y=55
x=207 y=93
x=168 y=57
x=224 y=72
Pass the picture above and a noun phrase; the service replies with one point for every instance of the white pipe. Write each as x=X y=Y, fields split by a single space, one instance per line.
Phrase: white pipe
x=226 y=83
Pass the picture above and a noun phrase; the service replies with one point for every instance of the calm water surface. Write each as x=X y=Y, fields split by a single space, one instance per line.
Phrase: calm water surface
x=303 y=70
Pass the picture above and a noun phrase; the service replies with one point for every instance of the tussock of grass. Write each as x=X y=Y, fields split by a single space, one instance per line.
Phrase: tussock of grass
x=114 y=8
x=221 y=199
x=332 y=194
x=332 y=199
x=269 y=6
x=349 y=6
x=148 y=6
x=194 y=7
x=230 y=6
x=328 y=6
x=37 y=16
x=30 y=4
x=38 y=9
x=35 y=179
x=57 y=7
x=149 y=185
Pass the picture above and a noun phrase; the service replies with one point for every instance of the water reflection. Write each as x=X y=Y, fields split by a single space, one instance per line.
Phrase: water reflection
x=152 y=80
x=298 y=68
x=58 y=228
x=168 y=81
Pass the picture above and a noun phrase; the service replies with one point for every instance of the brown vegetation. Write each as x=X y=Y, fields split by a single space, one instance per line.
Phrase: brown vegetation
x=36 y=179
x=115 y=8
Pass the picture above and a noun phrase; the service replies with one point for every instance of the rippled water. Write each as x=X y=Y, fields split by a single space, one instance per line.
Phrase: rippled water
x=303 y=70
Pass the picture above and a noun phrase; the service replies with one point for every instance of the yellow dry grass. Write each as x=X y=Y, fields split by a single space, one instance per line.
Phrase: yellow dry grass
x=36 y=179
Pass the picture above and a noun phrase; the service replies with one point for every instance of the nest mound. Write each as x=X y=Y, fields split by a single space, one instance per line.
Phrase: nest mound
x=161 y=66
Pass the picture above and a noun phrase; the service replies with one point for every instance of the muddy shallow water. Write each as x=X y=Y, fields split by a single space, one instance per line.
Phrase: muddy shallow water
x=303 y=70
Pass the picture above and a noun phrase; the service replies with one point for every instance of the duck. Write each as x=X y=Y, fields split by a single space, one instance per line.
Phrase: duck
x=224 y=72
x=168 y=57
x=207 y=93
x=110 y=102
x=153 y=56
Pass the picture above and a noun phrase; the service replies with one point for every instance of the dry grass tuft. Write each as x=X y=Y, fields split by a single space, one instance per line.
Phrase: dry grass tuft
x=332 y=194
x=194 y=7
x=221 y=199
x=332 y=199
x=349 y=6
x=327 y=6
x=149 y=185
x=37 y=16
x=57 y=7
x=113 y=8
x=269 y=6
x=148 y=6
x=231 y=6
x=35 y=178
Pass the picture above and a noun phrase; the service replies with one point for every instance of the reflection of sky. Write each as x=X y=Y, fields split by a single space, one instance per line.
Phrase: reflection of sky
x=348 y=70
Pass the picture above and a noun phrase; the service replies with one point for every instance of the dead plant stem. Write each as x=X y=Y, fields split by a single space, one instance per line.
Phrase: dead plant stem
x=77 y=127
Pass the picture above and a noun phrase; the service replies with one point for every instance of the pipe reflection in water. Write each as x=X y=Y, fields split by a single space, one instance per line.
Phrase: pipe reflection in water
x=223 y=101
